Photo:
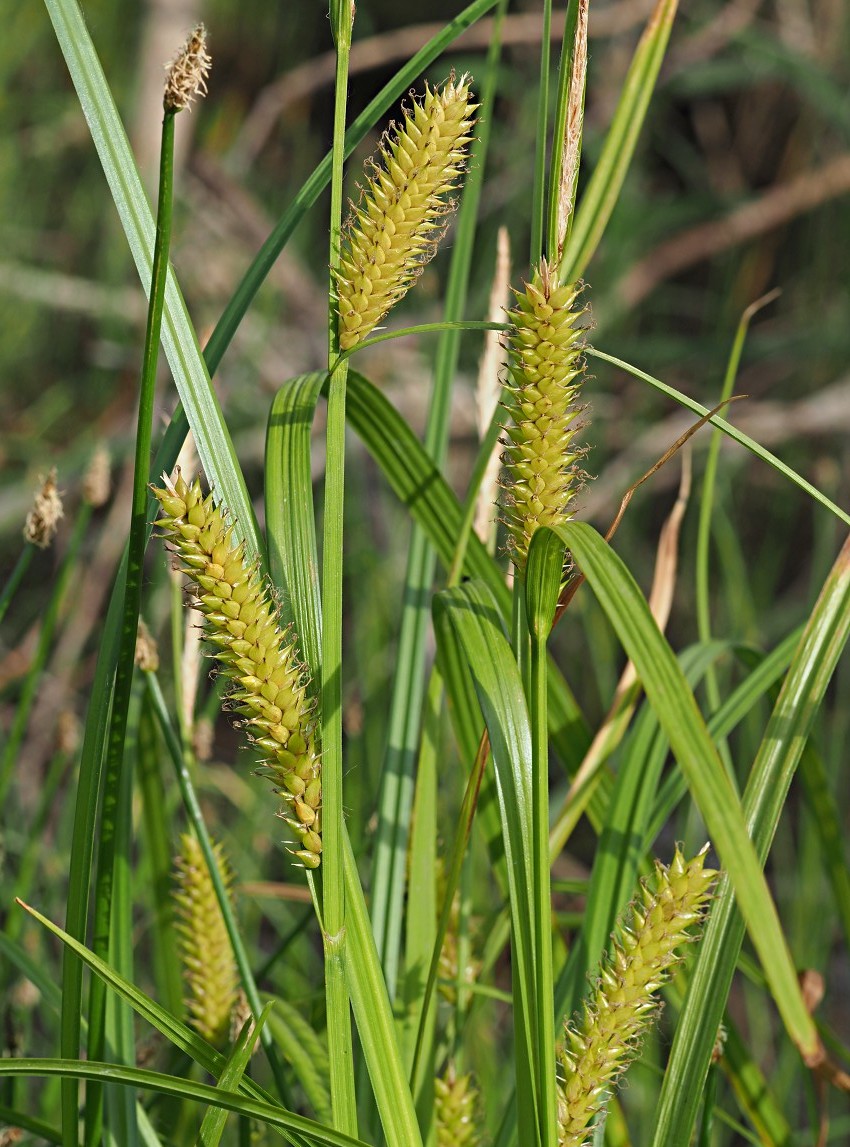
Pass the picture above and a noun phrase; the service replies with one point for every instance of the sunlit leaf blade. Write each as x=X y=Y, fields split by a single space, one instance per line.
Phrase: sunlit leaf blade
x=177 y=1033
x=668 y=693
x=290 y=520
x=473 y=613
x=178 y=336
x=215 y=1119
x=293 y=557
x=800 y=698
x=154 y=1081
x=375 y=1023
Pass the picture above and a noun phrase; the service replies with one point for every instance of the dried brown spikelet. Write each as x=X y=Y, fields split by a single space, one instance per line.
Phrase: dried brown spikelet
x=602 y=1041
x=546 y=372
x=455 y=1103
x=187 y=73
x=260 y=658
x=44 y=517
x=97 y=479
x=147 y=651
x=204 y=946
x=394 y=230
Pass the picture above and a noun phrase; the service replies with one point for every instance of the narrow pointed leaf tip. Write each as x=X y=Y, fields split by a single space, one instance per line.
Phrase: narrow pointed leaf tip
x=394 y=230
x=258 y=656
x=546 y=373
x=602 y=1041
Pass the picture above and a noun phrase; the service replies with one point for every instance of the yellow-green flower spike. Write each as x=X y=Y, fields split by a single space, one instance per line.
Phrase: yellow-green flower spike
x=546 y=372
x=394 y=230
x=602 y=1040
x=455 y=1103
x=204 y=947
x=260 y=658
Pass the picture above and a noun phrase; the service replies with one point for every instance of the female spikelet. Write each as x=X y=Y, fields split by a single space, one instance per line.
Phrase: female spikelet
x=209 y=968
x=395 y=228
x=601 y=1041
x=546 y=372
x=253 y=650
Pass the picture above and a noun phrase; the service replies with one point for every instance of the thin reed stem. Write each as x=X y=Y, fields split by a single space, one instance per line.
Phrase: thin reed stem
x=16 y=577
x=340 y=1049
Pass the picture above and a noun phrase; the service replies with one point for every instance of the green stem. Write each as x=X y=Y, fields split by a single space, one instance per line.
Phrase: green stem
x=538 y=713
x=343 y=1102
x=425 y=329
x=129 y=626
x=15 y=578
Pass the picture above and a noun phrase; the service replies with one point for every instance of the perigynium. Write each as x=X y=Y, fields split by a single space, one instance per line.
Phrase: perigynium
x=602 y=1040
x=204 y=947
x=395 y=228
x=455 y=1103
x=543 y=475
x=257 y=654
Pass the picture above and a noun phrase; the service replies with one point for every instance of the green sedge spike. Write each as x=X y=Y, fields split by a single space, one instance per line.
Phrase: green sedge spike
x=543 y=475
x=455 y=1114
x=203 y=944
x=394 y=230
x=260 y=657
x=602 y=1041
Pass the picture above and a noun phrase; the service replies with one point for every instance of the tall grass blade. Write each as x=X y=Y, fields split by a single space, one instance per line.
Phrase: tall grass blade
x=307 y=1130
x=801 y=695
x=472 y=612
x=668 y=693
x=234 y=1069
x=178 y=336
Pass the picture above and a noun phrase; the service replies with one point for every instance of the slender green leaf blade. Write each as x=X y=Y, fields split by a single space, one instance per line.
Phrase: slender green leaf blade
x=802 y=692
x=215 y=1119
x=178 y=336
x=668 y=693
x=160 y=1084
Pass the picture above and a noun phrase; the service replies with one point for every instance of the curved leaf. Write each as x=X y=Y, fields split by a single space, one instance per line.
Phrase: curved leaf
x=472 y=612
x=668 y=693
x=188 y=368
x=799 y=699
x=161 y=1084
x=290 y=520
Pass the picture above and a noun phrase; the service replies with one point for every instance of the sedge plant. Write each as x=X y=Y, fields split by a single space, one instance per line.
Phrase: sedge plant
x=400 y=935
